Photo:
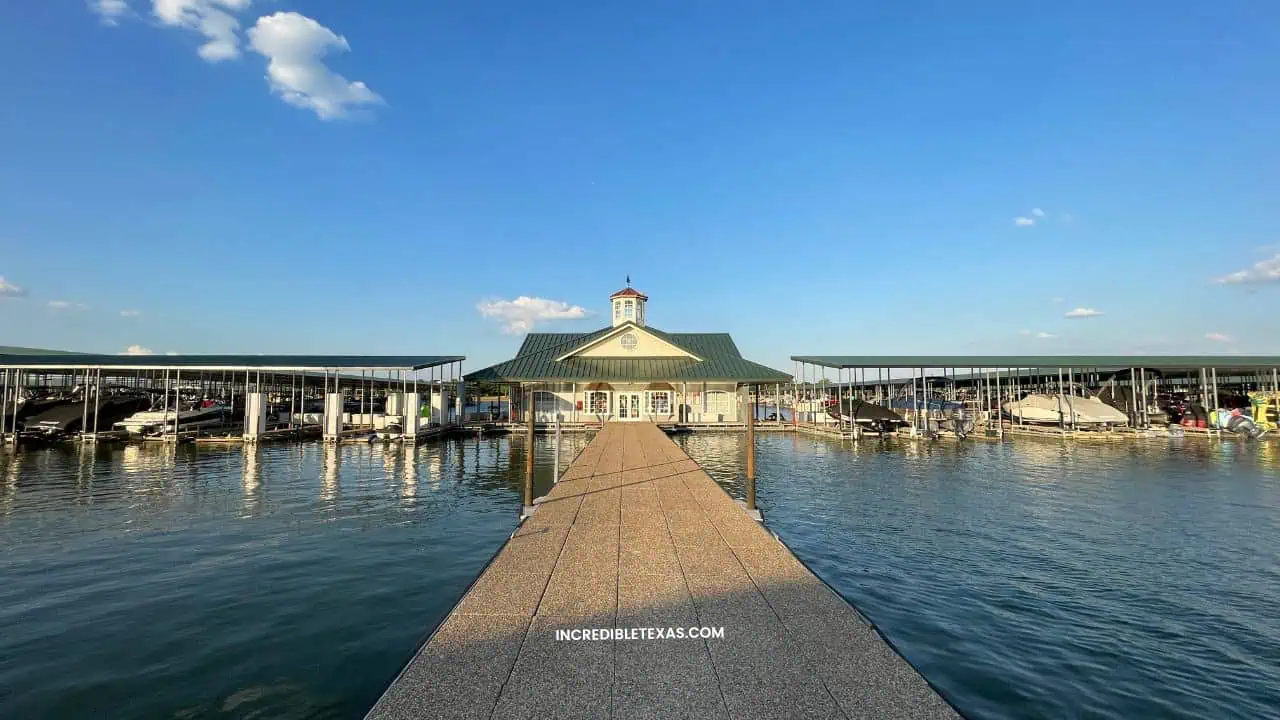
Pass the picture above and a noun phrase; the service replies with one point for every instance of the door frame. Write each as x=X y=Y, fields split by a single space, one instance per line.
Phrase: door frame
x=627 y=401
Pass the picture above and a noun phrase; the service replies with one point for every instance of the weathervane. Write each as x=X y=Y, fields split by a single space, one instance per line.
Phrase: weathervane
x=628 y=280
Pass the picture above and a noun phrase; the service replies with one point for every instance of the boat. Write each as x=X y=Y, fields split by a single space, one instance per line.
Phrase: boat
x=32 y=406
x=909 y=402
x=1119 y=391
x=866 y=415
x=493 y=429
x=677 y=429
x=1265 y=407
x=151 y=422
x=957 y=422
x=393 y=430
x=1238 y=422
x=67 y=419
x=1075 y=408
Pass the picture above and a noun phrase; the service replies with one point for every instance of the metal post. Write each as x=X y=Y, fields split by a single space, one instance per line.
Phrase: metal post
x=999 y=408
x=1214 y=371
x=751 y=463
x=1146 y=414
x=177 y=401
x=1204 y=394
x=97 y=396
x=1062 y=419
x=1071 y=402
x=84 y=410
x=164 y=424
x=4 y=404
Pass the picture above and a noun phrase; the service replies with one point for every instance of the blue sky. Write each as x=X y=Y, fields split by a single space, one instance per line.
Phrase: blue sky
x=927 y=177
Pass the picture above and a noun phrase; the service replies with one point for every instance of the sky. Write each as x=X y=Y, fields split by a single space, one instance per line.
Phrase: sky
x=324 y=176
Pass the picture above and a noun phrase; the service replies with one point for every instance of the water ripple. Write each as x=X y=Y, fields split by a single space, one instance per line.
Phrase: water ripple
x=1042 y=579
x=287 y=581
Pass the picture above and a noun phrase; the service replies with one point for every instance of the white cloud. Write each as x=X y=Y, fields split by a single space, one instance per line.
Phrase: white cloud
x=1263 y=271
x=524 y=313
x=136 y=350
x=66 y=305
x=1024 y=333
x=8 y=289
x=1217 y=337
x=109 y=10
x=211 y=18
x=1059 y=300
x=1082 y=312
x=1023 y=221
x=130 y=313
x=1037 y=212
x=294 y=46
x=170 y=352
x=1045 y=336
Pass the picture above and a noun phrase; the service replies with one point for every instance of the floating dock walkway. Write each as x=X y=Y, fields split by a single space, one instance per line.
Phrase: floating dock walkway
x=636 y=535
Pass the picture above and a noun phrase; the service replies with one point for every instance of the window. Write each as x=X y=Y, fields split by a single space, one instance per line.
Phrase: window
x=659 y=402
x=629 y=308
x=717 y=402
x=598 y=402
x=617 y=311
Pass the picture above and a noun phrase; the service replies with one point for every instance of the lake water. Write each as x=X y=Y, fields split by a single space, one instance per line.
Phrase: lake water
x=1043 y=579
x=1026 y=579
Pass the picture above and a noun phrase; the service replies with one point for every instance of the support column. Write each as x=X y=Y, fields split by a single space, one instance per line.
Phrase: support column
x=255 y=416
x=332 y=416
x=412 y=404
x=97 y=403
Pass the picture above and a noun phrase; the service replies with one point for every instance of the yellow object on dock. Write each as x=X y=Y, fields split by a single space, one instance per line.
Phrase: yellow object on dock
x=636 y=542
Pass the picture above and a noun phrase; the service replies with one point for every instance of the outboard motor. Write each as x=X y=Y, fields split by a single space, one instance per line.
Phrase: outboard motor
x=1243 y=425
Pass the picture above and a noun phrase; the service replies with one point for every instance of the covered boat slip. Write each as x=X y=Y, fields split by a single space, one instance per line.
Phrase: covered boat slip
x=636 y=537
x=994 y=389
x=233 y=397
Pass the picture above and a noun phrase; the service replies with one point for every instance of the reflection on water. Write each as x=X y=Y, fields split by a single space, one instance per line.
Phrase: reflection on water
x=1041 y=578
x=282 y=581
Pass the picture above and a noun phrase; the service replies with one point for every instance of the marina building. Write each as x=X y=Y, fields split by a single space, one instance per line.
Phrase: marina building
x=630 y=371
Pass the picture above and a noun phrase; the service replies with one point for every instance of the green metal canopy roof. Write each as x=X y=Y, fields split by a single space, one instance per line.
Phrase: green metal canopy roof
x=536 y=361
x=1110 y=362
x=228 y=362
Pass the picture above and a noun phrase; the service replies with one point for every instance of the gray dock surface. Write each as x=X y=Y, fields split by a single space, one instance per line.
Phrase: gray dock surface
x=636 y=535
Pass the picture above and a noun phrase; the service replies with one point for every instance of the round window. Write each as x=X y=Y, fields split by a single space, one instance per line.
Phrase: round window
x=628 y=342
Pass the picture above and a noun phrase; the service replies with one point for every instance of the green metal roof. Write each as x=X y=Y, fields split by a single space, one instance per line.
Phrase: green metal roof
x=1109 y=362
x=721 y=361
x=229 y=362
x=8 y=350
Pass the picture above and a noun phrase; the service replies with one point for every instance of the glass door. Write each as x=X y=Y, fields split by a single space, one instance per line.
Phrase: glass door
x=628 y=406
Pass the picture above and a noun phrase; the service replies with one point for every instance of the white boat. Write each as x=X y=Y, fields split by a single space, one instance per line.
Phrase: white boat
x=149 y=422
x=1077 y=408
x=391 y=431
